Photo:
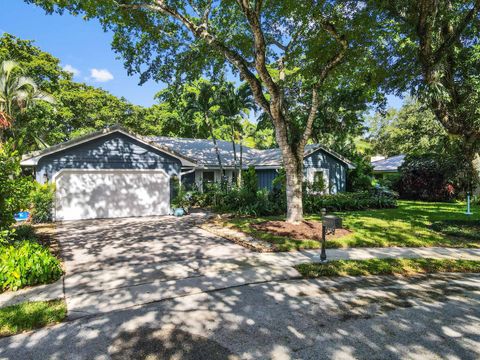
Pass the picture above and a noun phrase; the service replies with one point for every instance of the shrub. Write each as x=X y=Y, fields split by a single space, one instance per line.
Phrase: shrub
x=6 y=236
x=428 y=178
x=26 y=263
x=181 y=200
x=41 y=199
x=18 y=233
x=250 y=180
x=360 y=178
x=390 y=181
x=313 y=204
x=14 y=189
x=246 y=199
x=24 y=231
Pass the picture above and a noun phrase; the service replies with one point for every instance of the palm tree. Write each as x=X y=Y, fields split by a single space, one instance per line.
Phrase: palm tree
x=202 y=103
x=235 y=105
x=17 y=93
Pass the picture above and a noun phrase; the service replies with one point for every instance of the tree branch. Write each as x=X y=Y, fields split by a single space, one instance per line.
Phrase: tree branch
x=260 y=46
x=334 y=61
x=201 y=31
x=455 y=34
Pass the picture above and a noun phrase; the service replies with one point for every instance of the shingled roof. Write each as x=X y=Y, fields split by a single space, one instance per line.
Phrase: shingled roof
x=192 y=152
x=390 y=164
x=203 y=152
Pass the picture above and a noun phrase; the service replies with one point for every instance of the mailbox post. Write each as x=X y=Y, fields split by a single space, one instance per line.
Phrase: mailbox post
x=329 y=224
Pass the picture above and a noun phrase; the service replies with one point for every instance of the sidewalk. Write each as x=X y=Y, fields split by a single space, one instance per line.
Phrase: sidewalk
x=35 y=293
x=141 y=284
x=298 y=257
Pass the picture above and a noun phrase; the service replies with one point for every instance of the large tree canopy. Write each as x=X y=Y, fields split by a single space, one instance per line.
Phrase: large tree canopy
x=435 y=54
x=412 y=129
x=287 y=52
x=80 y=108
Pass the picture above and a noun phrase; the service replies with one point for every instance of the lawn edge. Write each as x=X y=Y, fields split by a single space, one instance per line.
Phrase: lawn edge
x=339 y=268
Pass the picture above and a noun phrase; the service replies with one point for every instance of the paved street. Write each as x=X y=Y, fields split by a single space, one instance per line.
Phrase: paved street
x=377 y=318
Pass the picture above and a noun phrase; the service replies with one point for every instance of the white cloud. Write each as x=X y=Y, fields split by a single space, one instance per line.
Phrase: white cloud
x=69 y=68
x=101 y=75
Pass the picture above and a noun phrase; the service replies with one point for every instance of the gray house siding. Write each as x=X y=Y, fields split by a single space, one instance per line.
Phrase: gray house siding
x=113 y=151
x=337 y=170
x=265 y=178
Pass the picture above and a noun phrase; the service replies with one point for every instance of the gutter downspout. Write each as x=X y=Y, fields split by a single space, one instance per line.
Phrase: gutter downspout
x=185 y=173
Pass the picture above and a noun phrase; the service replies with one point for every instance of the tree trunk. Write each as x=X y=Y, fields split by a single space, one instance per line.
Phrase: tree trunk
x=239 y=179
x=215 y=145
x=469 y=152
x=234 y=149
x=294 y=176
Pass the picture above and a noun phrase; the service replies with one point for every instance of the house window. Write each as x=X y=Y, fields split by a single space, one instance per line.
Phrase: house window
x=318 y=181
x=208 y=176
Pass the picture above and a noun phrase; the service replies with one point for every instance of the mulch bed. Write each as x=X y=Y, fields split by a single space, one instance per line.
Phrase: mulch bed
x=46 y=236
x=306 y=230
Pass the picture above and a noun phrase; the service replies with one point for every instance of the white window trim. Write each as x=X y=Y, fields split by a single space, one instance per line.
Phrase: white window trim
x=326 y=177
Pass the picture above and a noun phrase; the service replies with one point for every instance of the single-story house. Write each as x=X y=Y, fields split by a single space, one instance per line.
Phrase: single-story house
x=114 y=173
x=386 y=166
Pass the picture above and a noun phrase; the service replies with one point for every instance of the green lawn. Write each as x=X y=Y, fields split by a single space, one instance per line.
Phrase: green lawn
x=409 y=225
x=31 y=315
x=403 y=267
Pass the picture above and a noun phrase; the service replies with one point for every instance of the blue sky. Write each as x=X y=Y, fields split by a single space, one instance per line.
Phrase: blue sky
x=80 y=44
x=82 y=47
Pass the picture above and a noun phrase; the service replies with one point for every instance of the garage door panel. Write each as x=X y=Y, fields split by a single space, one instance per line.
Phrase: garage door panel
x=110 y=194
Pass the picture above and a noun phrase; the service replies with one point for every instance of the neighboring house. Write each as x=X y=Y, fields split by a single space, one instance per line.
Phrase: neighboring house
x=386 y=166
x=113 y=173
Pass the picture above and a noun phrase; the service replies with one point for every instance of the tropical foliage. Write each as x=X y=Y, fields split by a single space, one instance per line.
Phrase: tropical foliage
x=14 y=189
x=41 y=202
x=80 y=108
x=429 y=177
x=26 y=263
x=17 y=93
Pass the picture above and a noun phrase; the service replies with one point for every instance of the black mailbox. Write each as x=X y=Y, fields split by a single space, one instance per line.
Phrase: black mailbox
x=329 y=224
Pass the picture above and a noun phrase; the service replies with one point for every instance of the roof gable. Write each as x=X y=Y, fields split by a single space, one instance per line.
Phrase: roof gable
x=32 y=159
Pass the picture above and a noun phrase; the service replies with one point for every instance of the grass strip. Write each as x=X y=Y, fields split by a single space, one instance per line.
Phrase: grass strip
x=27 y=316
x=403 y=267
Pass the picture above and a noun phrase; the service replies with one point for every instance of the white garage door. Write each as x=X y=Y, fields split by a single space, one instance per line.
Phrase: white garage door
x=98 y=194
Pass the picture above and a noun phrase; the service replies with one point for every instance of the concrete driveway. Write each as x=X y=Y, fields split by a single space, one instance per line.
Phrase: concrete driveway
x=95 y=244
x=119 y=263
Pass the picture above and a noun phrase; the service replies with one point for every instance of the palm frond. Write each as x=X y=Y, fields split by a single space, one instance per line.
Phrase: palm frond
x=8 y=66
x=43 y=96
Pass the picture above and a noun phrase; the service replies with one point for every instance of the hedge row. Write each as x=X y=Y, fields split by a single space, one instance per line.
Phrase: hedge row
x=313 y=204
